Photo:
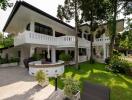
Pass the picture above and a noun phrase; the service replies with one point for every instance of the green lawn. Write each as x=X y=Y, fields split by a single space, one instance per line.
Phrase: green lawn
x=120 y=85
x=1 y=46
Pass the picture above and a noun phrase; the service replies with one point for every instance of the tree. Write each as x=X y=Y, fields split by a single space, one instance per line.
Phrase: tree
x=70 y=11
x=125 y=39
x=1 y=40
x=115 y=7
x=94 y=12
x=4 y=4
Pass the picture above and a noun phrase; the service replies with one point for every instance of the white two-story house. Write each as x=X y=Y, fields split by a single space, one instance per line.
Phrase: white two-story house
x=38 y=32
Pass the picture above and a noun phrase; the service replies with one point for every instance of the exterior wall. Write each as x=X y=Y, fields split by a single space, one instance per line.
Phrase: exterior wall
x=32 y=17
x=12 y=52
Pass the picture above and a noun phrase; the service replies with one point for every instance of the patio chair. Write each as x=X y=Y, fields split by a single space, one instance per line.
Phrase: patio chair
x=95 y=92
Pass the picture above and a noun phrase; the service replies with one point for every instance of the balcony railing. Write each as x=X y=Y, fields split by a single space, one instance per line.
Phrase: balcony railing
x=36 y=38
x=101 y=40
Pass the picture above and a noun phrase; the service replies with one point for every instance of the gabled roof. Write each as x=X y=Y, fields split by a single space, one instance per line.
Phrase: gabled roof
x=25 y=4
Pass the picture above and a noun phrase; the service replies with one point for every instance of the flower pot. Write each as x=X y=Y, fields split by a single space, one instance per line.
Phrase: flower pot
x=44 y=84
x=74 y=97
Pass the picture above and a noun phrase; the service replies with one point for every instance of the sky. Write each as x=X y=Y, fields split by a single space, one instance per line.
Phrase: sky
x=48 y=6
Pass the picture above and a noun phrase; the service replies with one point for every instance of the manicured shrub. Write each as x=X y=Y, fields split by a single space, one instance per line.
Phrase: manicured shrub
x=41 y=77
x=107 y=60
x=65 y=57
x=36 y=56
x=71 y=87
x=118 y=65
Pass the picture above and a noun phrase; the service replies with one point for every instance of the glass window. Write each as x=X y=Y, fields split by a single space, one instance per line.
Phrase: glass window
x=82 y=51
x=28 y=27
x=39 y=28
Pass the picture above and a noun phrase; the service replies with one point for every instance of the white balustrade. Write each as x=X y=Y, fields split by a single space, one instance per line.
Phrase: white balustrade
x=100 y=41
x=37 y=38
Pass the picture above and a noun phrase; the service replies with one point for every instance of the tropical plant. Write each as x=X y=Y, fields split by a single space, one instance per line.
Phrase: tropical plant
x=41 y=77
x=114 y=9
x=71 y=87
x=65 y=57
x=36 y=56
x=118 y=64
x=70 y=11
x=94 y=12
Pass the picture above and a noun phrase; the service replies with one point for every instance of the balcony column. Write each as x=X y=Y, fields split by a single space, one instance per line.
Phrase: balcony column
x=32 y=50
x=53 y=55
x=32 y=26
x=82 y=35
x=53 y=32
x=107 y=50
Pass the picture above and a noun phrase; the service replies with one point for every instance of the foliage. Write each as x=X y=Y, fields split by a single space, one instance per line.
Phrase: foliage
x=96 y=73
x=126 y=37
x=107 y=60
x=114 y=9
x=65 y=57
x=69 y=11
x=118 y=64
x=8 y=41
x=36 y=56
x=71 y=86
x=10 y=60
x=4 y=4
x=40 y=77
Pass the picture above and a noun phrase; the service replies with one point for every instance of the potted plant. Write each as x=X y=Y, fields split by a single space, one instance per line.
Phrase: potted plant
x=71 y=89
x=42 y=78
x=65 y=57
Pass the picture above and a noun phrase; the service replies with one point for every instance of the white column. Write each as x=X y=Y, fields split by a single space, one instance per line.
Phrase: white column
x=107 y=50
x=104 y=49
x=32 y=50
x=82 y=35
x=32 y=26
x=53 y=32
x=66 y=51
x=53 y=55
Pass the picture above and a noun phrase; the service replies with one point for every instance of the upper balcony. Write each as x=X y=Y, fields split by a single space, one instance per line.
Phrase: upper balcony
x=29 y=37
x=100 y=41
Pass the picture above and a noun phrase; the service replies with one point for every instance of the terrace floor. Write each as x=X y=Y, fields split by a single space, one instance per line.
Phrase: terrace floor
x=16 y=84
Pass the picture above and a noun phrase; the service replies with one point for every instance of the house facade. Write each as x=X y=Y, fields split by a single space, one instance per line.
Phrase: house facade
x=38 y=32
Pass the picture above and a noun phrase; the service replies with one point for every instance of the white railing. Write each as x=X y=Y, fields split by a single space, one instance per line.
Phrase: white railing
x=36 y=38
x=101 y=40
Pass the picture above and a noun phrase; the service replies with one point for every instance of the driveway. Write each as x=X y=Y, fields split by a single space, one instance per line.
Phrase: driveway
x=16 y=84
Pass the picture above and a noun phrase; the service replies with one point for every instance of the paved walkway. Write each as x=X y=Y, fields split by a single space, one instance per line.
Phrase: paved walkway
x=16 y=84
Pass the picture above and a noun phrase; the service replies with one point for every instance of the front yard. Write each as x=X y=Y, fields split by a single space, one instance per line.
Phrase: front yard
x=120 y=85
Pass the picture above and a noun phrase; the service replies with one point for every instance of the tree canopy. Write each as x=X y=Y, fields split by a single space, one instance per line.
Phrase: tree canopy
x=5 y=3
x=94 y=12
x=70 y=11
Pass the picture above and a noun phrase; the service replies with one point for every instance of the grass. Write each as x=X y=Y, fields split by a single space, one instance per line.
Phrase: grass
x=1 y=46
x=120 y=85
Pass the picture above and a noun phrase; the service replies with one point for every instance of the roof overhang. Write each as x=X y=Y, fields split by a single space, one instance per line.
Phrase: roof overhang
x=22 y=13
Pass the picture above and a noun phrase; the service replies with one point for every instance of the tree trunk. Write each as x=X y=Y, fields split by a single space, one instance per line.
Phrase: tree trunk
x=111 y=47
x=91 y=46
x=91 y=39
x=76 y=36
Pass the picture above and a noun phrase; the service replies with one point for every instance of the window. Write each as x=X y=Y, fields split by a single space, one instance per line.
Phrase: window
x=80 y=34
x=82 y=51
x=28 y=27
x=39 y=28
x=58 y=34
